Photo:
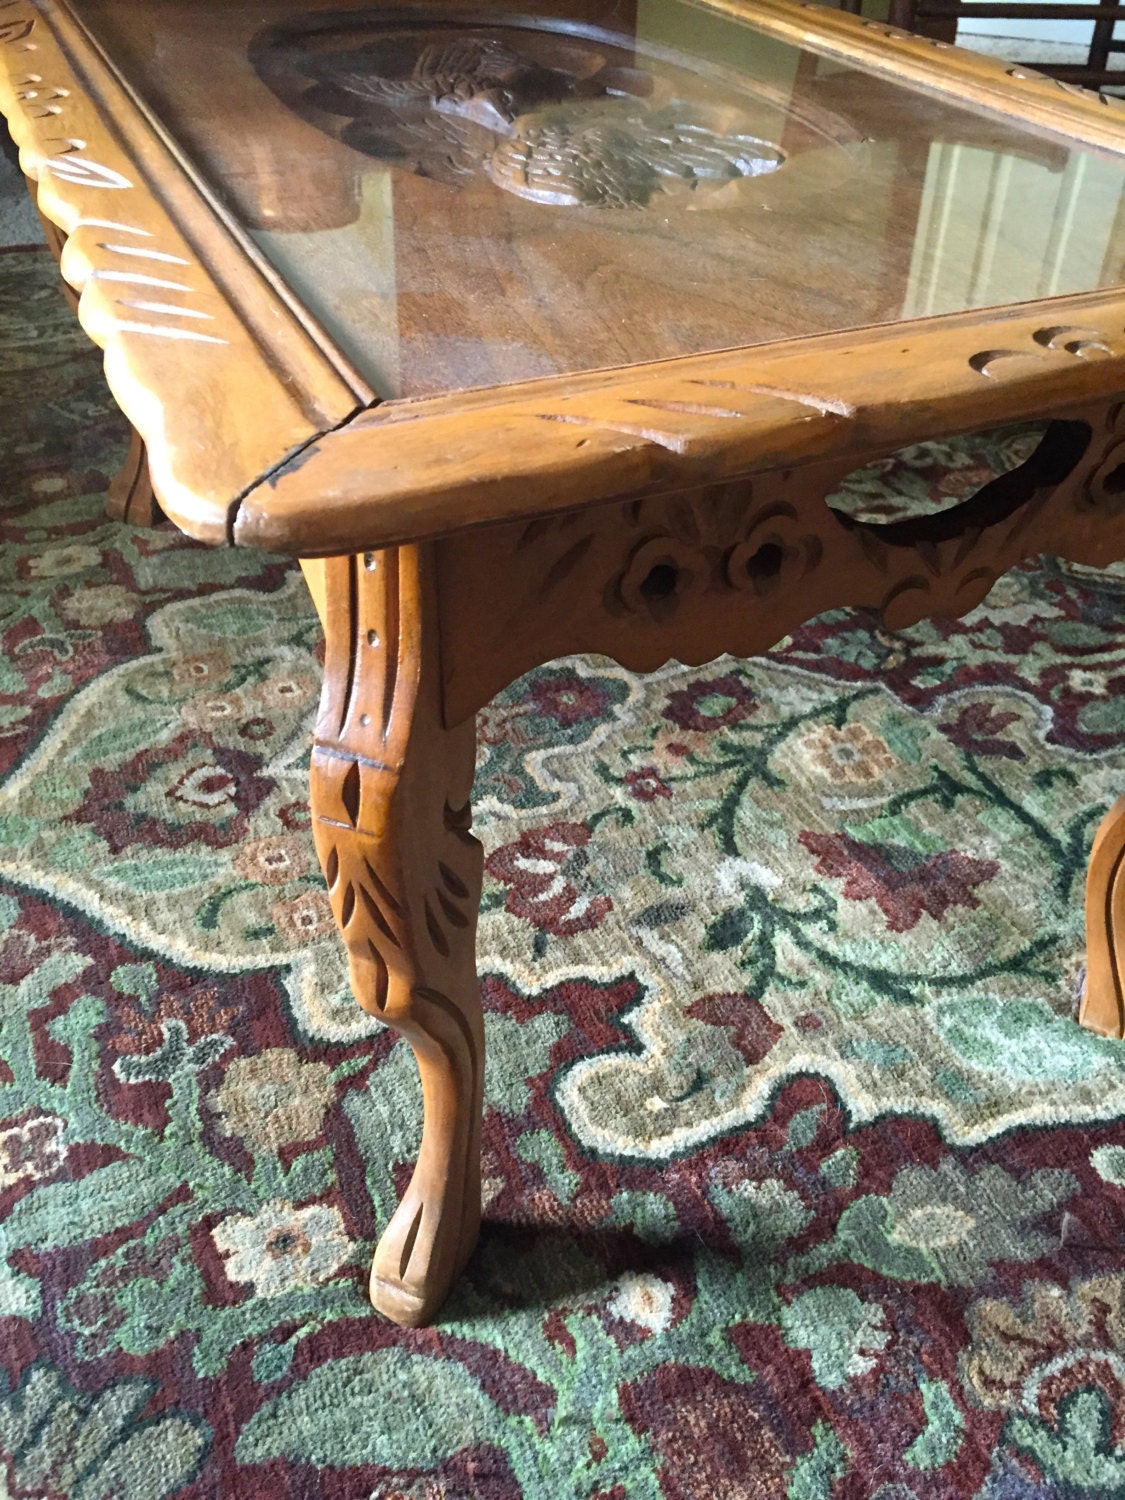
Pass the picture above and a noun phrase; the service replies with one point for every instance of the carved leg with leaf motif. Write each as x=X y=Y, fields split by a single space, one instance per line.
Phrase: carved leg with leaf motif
x=1103 y=1004
x=390 y=792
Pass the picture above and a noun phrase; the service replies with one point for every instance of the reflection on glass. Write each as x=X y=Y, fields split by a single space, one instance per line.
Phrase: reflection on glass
x=975 y=240
x=465 y=198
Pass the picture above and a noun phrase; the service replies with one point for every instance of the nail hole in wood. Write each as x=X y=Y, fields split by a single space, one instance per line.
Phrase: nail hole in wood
x=369 y=561
x=372 y=637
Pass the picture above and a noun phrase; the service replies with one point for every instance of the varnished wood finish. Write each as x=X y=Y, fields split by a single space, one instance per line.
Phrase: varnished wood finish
x=131 y=497
x=736 y=566
x=1103 y=1001
x=421 y=636
x=457 y=462
x=390 y=803
x=938 y=66
x=315 y=569
x=938 y=18
x=411 y=143
x=539 y=112
x=164 y=289
x=55 y=240
x=290 y=481
x=668 y=509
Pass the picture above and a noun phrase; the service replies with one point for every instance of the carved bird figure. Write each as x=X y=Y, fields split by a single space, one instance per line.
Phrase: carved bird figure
x=455 y=106
x=620 y=156
x=478 y=77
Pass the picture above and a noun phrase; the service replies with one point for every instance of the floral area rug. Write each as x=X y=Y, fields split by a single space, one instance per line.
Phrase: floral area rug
x=800 y=1178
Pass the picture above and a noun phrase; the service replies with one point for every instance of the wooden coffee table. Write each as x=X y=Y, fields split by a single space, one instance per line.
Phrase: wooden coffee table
x=548 y=329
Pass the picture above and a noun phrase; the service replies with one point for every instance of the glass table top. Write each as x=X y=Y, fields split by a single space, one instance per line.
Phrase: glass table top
x=468 y=198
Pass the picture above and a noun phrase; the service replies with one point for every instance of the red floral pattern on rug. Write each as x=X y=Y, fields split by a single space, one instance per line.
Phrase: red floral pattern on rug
x=902 y=885
x=544 y=871
x=793 y=1298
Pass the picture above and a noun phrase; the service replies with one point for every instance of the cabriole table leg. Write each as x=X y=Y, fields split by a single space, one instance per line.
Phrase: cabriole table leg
x=390 y=788
x=1103 y=1003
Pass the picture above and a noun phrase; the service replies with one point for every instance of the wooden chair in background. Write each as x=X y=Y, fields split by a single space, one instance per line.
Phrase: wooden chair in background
x=939 y=18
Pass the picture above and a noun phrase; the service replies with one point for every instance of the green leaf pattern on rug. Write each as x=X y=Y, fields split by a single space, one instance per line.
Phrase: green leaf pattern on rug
x=939 y=1441
x=1079 y=1449
x=339 y=1415
x=843 y=1334
x=89 y=1448
x=799 y=1178
x=947 y=1224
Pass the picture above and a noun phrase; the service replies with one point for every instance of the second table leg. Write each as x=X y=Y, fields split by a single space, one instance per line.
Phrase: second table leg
x=131 y=497
x=1103 y=1003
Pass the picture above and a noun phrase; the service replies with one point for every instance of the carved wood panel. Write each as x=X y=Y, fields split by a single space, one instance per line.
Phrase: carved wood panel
x=159 y=302
x=734 y=567
x=422 y=468
x=1073 y=113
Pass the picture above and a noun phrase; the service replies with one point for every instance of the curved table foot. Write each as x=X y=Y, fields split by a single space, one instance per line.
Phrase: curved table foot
x=390 y=792
x=1103 y=1002
x=434 y=1229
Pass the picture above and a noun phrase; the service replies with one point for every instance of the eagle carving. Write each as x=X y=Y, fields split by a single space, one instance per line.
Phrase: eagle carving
x=582 y=131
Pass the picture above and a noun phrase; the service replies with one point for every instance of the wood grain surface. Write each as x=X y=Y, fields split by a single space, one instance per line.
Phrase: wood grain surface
x=254 y=428
x=991 y=83
x=1103 y=1000
x=194 y=340
x=736 y=566
x=415 y=469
